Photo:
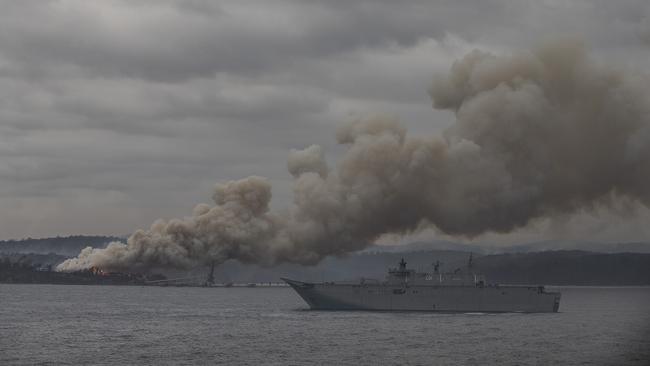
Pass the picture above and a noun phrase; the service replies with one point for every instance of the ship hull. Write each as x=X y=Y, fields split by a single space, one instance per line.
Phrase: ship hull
x=382 y=297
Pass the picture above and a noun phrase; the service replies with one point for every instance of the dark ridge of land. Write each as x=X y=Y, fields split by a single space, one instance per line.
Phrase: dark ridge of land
x=548 y=268
x=26 y=273
x=567 y=268
x=72 y=245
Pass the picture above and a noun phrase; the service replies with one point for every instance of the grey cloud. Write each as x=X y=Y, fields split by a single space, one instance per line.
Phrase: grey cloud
x=156 y=43
x=164 y=41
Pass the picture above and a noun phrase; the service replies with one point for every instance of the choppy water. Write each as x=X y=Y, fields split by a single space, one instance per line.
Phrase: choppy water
x=105 y=325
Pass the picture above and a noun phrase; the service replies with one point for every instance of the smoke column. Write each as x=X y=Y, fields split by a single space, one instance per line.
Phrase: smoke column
x=537 y=134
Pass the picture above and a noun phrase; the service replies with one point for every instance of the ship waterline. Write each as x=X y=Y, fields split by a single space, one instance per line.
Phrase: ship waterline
x=407 y=290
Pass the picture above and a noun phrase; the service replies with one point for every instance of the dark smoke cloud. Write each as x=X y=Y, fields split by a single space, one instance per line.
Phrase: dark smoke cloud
x=538 y=134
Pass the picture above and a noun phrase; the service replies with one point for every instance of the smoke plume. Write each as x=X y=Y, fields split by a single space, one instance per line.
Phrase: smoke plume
x=537 y=134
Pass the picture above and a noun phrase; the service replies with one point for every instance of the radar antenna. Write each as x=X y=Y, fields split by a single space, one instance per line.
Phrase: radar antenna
x=402 y=265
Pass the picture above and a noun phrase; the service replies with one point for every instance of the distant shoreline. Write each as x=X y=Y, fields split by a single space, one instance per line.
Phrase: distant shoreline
x=244 y=286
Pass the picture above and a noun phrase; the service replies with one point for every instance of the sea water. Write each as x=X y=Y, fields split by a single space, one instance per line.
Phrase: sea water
x=132 y=325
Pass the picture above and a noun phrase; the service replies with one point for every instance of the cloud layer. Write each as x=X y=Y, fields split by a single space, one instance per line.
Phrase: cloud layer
x=114 y=113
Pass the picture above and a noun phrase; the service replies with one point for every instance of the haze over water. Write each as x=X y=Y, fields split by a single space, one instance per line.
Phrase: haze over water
x=106 y=325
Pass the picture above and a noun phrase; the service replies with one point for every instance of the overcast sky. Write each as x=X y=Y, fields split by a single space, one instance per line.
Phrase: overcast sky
x=115 y=113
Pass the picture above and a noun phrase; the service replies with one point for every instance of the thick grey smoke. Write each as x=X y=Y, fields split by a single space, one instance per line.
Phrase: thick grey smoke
x=538 y=133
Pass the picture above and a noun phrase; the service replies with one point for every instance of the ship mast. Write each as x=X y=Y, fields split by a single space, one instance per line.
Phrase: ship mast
x=402 y=265
x=210 y=281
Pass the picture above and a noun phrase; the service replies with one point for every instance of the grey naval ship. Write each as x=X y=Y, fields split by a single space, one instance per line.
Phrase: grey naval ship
x=405 y=289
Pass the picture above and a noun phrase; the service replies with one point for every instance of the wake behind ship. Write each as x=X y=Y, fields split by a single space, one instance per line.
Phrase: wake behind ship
x=407 y=290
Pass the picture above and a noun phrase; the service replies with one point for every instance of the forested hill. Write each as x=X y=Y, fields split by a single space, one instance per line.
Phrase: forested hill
x=567 y=268
x=559 y=267
x=549 y=268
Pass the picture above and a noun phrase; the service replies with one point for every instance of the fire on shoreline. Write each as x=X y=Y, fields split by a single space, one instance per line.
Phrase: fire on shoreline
x=97 y=271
